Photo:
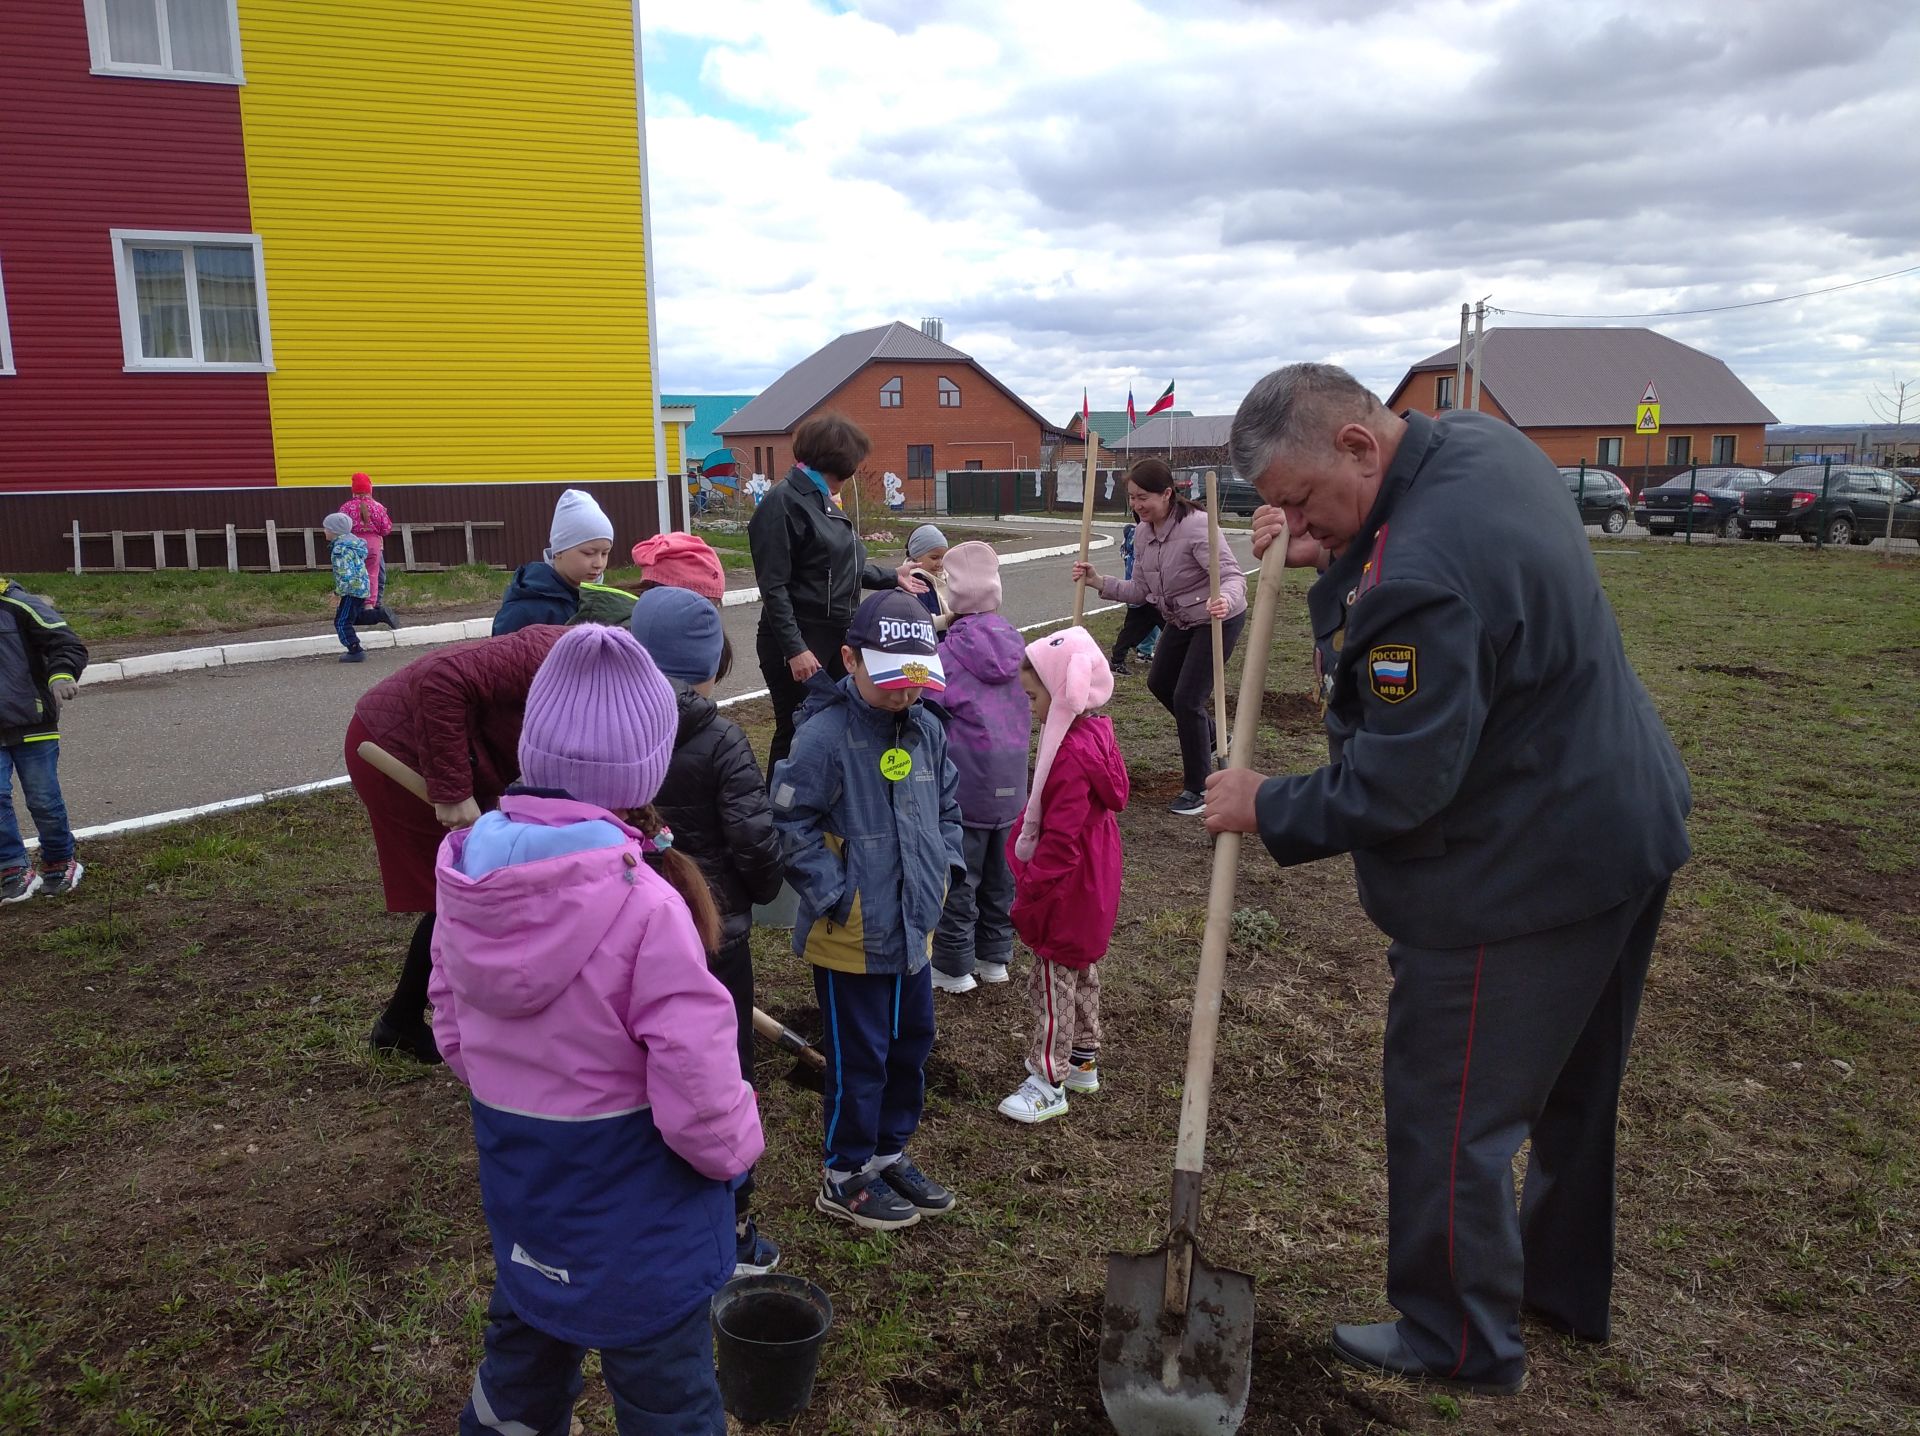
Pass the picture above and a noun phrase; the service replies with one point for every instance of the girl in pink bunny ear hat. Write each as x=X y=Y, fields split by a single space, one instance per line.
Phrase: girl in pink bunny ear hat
x=1066 y=868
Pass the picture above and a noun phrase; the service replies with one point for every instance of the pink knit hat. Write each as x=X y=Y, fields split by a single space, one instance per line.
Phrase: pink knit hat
x=1075 y=674
x=682 y=561
x=973 y=578
x=600 y=720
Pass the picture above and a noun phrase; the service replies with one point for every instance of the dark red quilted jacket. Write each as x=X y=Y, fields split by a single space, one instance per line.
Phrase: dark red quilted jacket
x=454 y=716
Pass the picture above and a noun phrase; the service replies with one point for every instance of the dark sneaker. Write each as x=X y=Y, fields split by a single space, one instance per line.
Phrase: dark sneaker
x=18 y=884
x=1119 y=667
x=866 y=1201
x=929 y=1198
x=354 y=655
x=753 y=1254
x=1188 y=805
x=414 y=1041
x=61 y=878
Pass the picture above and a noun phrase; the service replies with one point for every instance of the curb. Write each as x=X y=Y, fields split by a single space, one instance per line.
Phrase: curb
x=425 y=635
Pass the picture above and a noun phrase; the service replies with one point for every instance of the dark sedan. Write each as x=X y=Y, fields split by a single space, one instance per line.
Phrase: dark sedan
x=1602 y=497
x=1847 y=504
x=1711 y=495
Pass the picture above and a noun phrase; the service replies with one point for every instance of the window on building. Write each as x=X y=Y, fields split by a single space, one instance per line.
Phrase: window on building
x=6 y=335
x=890 y=393
x=1443 y=392
x=1724 y=448
x=191 y=301
x=976 y=463
x=919 y=461
x=949 y=394
x=1609 y=451
x=1680 y=449
x=166 y=39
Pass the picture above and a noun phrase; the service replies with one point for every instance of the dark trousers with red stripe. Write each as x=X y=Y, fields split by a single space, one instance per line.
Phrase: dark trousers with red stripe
x=1485 y=1048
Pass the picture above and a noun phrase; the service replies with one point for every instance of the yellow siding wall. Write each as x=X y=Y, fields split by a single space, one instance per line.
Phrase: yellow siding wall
x=448 y=198
x=676 y=448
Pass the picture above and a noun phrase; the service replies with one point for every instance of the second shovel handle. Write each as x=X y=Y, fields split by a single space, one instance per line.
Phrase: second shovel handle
x=1191 y=1152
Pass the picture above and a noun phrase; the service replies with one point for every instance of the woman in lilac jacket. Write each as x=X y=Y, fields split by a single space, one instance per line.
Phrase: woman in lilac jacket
x=571 y=994
x=1170 y=572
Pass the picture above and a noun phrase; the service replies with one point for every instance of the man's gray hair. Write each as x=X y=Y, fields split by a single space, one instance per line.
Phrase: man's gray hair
x=1298 y=407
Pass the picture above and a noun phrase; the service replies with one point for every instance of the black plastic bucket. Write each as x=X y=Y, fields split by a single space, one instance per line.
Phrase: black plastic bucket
x=767 y=1335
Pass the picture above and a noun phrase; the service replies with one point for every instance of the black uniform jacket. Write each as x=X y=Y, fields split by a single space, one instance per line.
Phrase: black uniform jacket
x=1497 y=768
x=36 y=647
x=808 y=561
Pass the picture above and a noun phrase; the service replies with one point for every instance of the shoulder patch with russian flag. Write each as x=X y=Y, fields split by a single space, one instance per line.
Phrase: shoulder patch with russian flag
x=1392 y=671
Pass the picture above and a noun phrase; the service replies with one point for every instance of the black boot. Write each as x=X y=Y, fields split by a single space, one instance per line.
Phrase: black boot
x=1379 y=1346
x=403 y=1026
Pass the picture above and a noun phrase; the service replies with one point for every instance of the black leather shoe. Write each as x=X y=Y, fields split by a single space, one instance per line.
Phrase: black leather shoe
x=1565 y=1327
x=415 y=1042
x=1379 y=1347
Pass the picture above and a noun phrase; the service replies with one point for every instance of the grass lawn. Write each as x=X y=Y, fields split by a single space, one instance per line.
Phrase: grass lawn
x=218 y=1213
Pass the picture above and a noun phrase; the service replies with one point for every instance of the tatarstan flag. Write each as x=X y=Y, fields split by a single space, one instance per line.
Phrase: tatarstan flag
x=1164 y=402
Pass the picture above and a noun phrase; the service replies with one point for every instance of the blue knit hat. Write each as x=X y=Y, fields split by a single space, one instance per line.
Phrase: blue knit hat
x=600 y=721
x=680 y=631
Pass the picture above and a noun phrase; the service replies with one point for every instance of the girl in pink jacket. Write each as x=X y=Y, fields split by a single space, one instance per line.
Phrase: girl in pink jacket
x=371 y=522
x=1065 y=856
x=571 y=994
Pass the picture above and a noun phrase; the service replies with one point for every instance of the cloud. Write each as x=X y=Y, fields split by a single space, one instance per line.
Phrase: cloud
x=1101 y=192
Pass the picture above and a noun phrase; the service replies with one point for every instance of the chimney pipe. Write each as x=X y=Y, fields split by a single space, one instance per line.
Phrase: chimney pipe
x=934 y=329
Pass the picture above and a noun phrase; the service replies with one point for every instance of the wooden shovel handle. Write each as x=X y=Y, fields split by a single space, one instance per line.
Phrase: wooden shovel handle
x=1086 y=521
x=1213 y=592
x=377 y=757
x=1192 y=1149
x=785 y=1038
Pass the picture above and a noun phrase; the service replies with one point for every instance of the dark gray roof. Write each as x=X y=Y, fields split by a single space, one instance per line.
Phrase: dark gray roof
x=1548 y=377
x=796 y=393
x=1186 y=431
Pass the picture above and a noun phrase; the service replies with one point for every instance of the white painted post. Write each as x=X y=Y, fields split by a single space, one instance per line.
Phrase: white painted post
x=469 y=528
x=307 y=534
x=76 y=546
x=233 y=551
x=119 y=551
x=159 y=550
x=193 y=550
x=406 y=546
x=273 y=547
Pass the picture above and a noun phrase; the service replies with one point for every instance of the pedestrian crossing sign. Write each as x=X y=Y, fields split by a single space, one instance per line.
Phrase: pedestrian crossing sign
x=1647 y=420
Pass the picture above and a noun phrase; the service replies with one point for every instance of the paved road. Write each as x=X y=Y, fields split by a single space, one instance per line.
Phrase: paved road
x=155 y=744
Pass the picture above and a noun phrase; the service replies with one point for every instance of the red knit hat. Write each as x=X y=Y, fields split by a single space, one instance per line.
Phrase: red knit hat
x=362 y=484
x=682 y=561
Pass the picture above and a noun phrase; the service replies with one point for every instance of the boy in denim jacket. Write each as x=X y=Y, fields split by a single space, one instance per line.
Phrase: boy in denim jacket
x=866 y=805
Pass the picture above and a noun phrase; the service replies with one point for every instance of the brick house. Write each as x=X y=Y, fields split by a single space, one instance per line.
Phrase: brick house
x=926 y=406
x=1575 y=392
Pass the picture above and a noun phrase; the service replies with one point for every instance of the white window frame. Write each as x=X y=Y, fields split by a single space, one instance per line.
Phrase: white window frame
x=135 y=361
x=105 y=64
x=6 y=335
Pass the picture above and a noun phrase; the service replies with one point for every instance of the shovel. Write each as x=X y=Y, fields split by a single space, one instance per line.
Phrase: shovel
x=775 y=1031
x=1176 y=1345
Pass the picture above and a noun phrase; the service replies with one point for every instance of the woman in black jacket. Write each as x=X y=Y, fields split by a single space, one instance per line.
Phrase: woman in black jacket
x=715 y=801
x=811 y=566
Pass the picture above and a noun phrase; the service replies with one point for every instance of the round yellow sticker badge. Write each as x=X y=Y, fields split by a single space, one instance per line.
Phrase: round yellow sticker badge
x=895 y=764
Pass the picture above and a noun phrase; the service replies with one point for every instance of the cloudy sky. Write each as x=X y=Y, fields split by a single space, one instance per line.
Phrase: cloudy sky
x=1102 y=192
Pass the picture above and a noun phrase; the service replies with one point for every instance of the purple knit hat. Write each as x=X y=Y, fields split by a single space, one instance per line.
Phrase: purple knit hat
x=600 y=721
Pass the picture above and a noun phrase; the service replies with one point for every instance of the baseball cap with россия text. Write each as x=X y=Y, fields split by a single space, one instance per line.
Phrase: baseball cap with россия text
x=894 y=634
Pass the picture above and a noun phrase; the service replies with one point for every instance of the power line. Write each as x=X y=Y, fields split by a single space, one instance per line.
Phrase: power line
x=1716 y=309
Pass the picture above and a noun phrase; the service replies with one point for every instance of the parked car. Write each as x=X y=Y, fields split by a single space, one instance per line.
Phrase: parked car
x=1602 y=497
x=1712 y=494
x=1854 y=510
x=1237 y=496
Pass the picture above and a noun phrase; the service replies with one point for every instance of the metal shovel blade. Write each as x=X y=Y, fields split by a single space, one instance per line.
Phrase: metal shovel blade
x=1165 y=1373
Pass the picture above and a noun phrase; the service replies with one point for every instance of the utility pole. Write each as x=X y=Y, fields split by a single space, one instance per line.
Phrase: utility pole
x=1479 y=339
x=1460 y=363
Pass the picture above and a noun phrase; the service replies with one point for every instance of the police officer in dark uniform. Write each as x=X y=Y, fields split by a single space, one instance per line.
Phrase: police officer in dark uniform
x=1514 y=807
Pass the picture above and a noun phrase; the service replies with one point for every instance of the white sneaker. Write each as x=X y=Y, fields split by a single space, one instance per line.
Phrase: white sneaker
x=991 y=971
x=1082 y=1079
x=1035 y=1101
x=945 y=982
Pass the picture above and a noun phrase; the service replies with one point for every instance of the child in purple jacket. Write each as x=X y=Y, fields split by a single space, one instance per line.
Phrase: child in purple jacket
x=989 y=718
x=571 y=994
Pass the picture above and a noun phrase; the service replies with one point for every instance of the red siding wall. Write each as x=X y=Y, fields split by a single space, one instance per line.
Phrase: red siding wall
x=81 y=154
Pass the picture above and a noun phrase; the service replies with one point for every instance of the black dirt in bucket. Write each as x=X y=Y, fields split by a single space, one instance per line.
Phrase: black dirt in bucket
x=770 y=1318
